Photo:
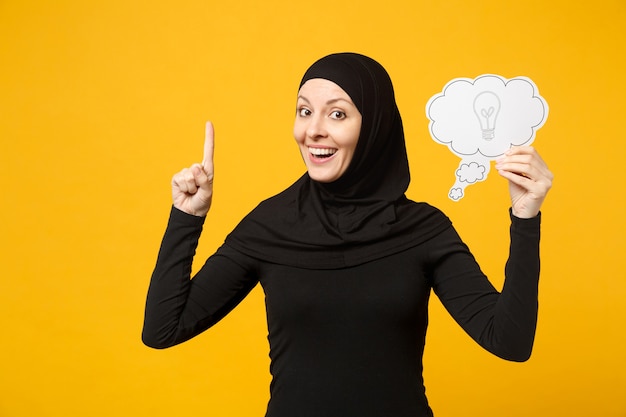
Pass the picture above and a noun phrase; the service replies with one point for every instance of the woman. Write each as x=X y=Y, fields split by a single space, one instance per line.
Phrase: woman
x=346 y=261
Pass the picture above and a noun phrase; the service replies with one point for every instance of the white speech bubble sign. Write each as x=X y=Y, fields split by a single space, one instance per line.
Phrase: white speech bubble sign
x=479 y=119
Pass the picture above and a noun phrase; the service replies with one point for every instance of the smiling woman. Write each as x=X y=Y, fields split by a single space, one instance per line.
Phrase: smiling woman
x=346 y=261
x=327 y=129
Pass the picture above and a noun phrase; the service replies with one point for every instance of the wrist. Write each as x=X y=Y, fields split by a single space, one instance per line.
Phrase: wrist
x=190 y=212
x=521 y=214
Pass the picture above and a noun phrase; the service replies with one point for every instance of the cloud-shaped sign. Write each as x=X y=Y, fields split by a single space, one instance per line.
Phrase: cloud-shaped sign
x=480 y=119
x=471 y=172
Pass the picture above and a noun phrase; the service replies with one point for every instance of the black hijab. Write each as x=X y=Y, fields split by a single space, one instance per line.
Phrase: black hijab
x=363 y=215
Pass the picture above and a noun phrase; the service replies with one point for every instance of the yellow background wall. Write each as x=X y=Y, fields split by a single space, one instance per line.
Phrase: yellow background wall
x=102 y=101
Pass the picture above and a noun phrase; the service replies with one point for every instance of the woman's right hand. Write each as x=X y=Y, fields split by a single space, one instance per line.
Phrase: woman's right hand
x=192 y=188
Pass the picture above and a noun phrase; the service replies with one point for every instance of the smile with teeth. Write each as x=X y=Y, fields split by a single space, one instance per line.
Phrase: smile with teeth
x=322 y=152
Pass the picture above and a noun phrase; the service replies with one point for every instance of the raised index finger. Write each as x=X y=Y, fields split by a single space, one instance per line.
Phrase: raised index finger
x=209 y=144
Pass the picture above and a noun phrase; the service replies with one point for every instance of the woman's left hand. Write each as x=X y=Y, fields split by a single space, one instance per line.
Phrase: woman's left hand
x=529 y=179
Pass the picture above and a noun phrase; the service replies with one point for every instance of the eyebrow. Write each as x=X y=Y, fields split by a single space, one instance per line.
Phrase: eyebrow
x=331 y=101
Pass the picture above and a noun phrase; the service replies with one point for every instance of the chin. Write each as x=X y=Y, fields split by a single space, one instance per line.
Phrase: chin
x=322 y=178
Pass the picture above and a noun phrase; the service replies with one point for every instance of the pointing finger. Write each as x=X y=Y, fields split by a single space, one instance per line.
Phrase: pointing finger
x=209 y=143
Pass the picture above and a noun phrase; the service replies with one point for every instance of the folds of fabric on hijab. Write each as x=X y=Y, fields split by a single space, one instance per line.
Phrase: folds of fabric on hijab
x=362 y=216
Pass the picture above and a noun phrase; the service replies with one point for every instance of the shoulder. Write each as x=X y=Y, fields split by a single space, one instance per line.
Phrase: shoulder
x=425 y=212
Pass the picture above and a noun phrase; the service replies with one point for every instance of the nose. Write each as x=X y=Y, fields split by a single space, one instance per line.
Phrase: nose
x=316 y=127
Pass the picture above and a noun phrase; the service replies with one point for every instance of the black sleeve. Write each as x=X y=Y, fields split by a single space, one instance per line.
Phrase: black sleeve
x=503 y=323
x=177 y=307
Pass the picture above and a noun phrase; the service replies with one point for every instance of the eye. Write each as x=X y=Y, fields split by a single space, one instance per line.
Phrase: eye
x=338 y=115
x=303 y=112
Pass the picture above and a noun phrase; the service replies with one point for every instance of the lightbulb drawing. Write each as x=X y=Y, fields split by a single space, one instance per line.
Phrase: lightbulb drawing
x=516 y=106
x=486 y=108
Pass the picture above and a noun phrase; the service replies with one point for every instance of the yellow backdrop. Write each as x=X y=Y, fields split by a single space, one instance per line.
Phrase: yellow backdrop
x=102 y=101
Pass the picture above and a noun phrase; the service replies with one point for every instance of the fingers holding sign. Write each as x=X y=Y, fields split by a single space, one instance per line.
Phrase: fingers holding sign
x=529 y=179
x=192 y=188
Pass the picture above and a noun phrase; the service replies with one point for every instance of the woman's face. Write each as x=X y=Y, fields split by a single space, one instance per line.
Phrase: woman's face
x=327 y=129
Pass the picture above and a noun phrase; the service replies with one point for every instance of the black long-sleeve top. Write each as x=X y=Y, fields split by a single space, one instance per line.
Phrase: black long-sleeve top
x=348 y=342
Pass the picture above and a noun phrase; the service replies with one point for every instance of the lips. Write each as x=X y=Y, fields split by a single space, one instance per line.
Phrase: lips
x=322 y=152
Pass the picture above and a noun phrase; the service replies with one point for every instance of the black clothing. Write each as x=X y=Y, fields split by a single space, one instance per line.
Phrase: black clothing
x=347 y=268
x=364 y=214
x=280 y=230
x=348 y=341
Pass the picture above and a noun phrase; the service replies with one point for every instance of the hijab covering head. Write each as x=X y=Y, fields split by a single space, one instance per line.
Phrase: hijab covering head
x=362 y=216
x=370 y=175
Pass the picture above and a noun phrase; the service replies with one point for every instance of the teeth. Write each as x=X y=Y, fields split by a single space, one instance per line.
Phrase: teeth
x=322 y=151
